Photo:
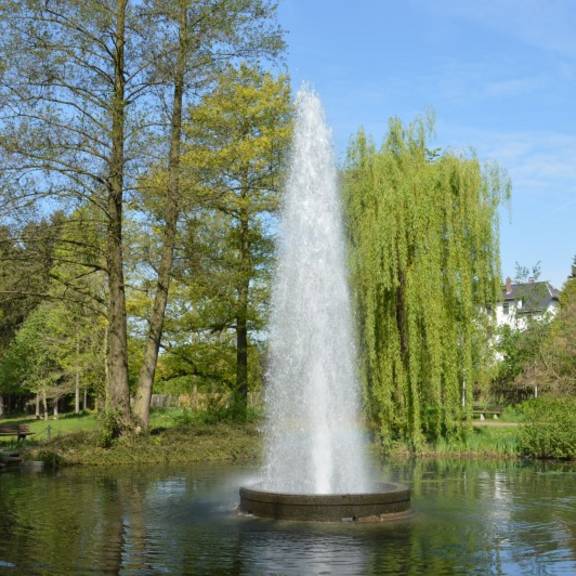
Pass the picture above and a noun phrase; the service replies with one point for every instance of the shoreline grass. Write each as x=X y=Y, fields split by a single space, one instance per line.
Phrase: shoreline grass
x=182 y=436
x=177 y=436
x=484 y=442
x=182 y=444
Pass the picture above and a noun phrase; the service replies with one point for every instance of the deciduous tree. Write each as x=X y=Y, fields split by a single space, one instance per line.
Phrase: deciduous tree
x=69 y=129
x=196 y=40
x=236 y=141
x=425 y=265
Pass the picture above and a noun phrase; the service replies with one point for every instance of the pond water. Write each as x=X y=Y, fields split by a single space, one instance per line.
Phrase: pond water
x=481 y=518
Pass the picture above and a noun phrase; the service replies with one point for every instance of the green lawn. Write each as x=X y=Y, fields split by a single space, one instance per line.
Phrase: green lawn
x=66 y=424
x=175 y=436
x=181 y=435
x=70 y=423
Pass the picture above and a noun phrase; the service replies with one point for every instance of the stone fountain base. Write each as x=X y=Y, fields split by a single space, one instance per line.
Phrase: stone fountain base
x=391 y=502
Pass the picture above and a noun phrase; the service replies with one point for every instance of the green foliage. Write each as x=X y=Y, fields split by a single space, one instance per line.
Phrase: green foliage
x=51 y=459
x=553 y=367
x=53 y=327
x=477 y=442
x=549 y=430
x=111 y=427
x=36 y=358
x=480 y=442
x=189 y=442
x=26 y=257
x=512 y=413
x=51 y=349
x=539 y=358
x=517 y=349
x=425 y=264
x=214 y=414
x=232 y=168
x=91 y=95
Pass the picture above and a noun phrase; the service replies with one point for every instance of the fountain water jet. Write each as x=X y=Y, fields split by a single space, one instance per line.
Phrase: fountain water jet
x=315 y=451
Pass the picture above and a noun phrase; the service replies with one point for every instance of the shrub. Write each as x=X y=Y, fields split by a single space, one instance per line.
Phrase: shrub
x=549 y=429
x=214 y=414
x=110 y=428
x=512 y=413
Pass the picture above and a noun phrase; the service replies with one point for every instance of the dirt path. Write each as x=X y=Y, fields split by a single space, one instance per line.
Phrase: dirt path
x=494 y=424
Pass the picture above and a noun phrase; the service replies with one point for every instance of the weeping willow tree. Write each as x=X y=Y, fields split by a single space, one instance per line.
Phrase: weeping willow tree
x=423 y=228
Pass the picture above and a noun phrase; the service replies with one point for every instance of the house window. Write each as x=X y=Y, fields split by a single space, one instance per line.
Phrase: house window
x=506 y=307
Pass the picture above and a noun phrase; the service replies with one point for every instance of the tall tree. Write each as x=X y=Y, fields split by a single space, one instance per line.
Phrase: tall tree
x=92 y=92
x=118 y=395
x=26 y=258
x=55 y=308
x=199 y=38
x=71 y=76
x=236 y=140
x=551 y=367
x=44 y=357
x=425 y=261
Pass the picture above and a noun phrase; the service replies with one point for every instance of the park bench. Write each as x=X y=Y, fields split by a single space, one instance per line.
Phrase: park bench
x=18 y=430
x=493 y=411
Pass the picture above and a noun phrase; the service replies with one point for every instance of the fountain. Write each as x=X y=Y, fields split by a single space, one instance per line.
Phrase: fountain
x=316 y=462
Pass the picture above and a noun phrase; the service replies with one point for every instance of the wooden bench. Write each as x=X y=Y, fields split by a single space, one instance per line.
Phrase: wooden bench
x=18 y=430
x=493 y=411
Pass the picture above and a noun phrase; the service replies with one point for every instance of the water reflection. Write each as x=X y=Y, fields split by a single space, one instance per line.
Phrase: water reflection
x=474 y=518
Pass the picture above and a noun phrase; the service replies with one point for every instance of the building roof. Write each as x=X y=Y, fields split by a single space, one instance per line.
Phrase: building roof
x=535 y=296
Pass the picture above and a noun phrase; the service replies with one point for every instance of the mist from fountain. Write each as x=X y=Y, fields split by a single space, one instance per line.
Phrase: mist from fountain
x=314 y=438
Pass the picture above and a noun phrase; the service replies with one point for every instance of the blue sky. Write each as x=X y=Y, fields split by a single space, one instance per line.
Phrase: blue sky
x=500 y=76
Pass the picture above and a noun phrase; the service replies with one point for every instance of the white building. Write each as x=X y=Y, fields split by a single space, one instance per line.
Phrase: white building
x=522 y=302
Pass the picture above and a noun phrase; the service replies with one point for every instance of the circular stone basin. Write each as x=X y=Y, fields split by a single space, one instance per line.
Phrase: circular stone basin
x=391 y=502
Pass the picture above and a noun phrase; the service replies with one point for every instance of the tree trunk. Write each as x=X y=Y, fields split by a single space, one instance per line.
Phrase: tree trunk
x=77 y=397
x=55 y=408
x=156 y=325
x=85 y=401
x=241 y=396
x=1 y=406
x=45 y=404
x=117 y=393
x=242 y=361
x=37 y=407
x=106 y=372
x=77 y=379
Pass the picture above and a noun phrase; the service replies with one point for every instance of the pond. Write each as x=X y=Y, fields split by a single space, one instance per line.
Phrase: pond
x=482 y=518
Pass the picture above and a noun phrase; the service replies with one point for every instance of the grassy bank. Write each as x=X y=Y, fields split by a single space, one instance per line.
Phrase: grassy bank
x=499 y=441
x=186 y=443
x=175 y=436
x=178 y=436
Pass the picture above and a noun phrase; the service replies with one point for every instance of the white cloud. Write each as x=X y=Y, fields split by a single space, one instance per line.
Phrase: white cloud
x=544 y=24
x=538 y=162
